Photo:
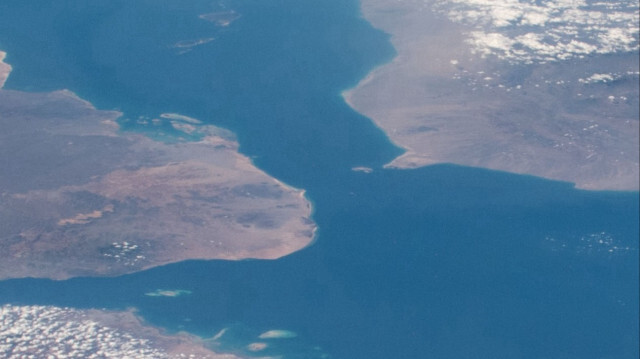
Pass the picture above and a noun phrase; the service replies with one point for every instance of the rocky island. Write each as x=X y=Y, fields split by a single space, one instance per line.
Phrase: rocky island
x=547 y=88
x=79 y=197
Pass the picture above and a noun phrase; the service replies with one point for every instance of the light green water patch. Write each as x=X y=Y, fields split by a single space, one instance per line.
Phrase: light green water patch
x=186 y=46
x=219 y=334
x=161 y=129
x=277 y=334
x=182 y=118
x=244 y=341
x=173 y=128
x=257 y=346
x=168 y=293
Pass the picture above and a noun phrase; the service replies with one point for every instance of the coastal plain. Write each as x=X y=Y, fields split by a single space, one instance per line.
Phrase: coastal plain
x=47 y=331
x=81 y=198
x=492 y=93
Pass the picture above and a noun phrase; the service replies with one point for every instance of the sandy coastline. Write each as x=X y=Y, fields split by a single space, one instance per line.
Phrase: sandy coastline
x=82 y=198
x=443 y=102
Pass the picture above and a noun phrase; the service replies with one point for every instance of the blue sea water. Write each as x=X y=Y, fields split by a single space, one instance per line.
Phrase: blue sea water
x=437 y=262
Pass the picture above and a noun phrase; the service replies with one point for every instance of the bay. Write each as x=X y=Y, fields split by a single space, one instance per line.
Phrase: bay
x=443 y=261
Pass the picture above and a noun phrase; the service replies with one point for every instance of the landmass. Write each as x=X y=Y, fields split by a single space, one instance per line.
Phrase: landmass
x=32 y=331
x=547 y=88
x=79 y=197
x=220 y=19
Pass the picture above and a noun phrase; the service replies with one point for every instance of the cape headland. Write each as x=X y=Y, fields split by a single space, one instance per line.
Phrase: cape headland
x=484 y=87
x=78 y=197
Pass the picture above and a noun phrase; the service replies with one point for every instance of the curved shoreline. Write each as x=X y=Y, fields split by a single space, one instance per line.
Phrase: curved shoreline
x=444 y=104
x=47 y=330
x=82 y=198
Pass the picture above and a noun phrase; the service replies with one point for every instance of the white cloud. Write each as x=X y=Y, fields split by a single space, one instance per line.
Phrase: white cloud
x=551 y=30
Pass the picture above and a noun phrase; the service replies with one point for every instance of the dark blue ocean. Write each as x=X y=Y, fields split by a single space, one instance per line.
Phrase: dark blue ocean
x=439 y=262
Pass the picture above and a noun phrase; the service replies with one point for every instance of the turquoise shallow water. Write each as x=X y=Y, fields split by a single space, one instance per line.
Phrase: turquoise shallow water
x=439 y=262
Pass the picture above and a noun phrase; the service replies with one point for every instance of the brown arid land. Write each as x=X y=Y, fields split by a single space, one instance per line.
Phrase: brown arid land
x=446 y=99
x=78 y=197
x=32 y=331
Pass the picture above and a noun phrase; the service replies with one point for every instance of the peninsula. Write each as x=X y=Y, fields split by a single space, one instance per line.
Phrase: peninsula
x=78 y=197
x=547 y=89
